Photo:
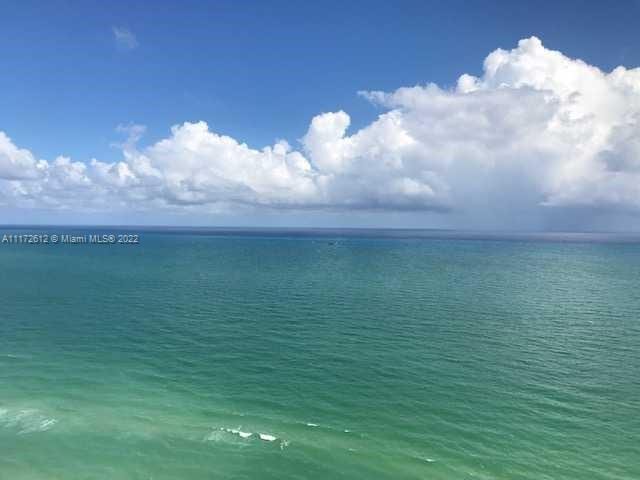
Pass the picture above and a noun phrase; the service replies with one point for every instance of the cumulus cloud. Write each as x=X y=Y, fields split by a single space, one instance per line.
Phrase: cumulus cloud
x=537 y=130
x=124 y=38
x=17 y=163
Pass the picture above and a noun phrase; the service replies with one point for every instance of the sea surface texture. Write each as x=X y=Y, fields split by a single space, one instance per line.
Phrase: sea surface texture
x=230 y=354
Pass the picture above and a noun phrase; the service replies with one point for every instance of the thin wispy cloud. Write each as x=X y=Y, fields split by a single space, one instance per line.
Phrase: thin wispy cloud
x=133 y=133
x=124 y=38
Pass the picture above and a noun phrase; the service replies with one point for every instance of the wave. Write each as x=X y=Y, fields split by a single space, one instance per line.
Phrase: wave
x=266 y=437
x=240 y=433
x=26 y=421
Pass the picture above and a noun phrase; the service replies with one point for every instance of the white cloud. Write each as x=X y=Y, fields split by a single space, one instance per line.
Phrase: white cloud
x=16 y=163
x=537 y=131
x=124 y=38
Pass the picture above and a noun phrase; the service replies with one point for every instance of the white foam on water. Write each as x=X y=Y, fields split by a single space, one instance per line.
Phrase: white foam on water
x=234 y=431
x=26 y=421
x=312 y=424
x=215 y=435
x=238 y=432
x=48 y=423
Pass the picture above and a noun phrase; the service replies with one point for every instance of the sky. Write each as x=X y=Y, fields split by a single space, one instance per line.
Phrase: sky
x=468 y=115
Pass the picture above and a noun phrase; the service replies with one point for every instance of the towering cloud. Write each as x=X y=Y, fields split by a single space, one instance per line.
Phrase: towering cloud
x=537 y=131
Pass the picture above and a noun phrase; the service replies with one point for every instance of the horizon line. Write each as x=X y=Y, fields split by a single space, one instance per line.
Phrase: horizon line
x=302 y=228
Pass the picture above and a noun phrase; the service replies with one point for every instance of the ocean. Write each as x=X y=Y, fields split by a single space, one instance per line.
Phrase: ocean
x=320 y=354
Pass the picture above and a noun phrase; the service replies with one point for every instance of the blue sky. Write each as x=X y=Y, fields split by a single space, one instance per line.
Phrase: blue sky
x=259 y=71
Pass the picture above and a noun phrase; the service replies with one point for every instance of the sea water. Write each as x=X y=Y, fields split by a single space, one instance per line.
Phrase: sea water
x=321 y=354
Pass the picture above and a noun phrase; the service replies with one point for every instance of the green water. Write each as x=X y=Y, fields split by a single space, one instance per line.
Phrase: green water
x=366 y=358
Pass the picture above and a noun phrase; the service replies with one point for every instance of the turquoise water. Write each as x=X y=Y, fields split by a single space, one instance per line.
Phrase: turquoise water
x=366 y=356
